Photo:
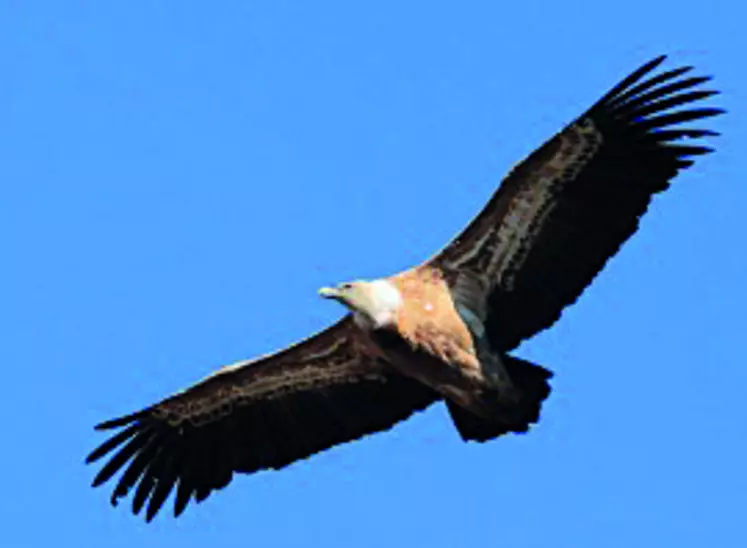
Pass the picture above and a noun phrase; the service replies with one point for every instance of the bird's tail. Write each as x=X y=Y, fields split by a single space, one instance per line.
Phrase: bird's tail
x=532 y=387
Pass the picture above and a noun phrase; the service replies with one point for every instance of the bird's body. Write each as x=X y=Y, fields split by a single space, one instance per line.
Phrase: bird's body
x=427 y=339
x=441 y=331
x=436 y=335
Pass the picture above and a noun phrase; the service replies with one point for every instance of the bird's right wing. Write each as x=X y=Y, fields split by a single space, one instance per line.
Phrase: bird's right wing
x=259 y=414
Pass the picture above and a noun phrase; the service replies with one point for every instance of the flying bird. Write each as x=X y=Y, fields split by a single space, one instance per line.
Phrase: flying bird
x=440 y=331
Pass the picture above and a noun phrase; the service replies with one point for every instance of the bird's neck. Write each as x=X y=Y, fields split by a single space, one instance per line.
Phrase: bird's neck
x=381 y=309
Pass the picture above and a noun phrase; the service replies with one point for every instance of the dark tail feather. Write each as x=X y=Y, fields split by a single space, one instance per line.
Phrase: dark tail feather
x=530 y=380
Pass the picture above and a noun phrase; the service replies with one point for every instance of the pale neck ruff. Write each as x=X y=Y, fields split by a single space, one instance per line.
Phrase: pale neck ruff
x=384 y=301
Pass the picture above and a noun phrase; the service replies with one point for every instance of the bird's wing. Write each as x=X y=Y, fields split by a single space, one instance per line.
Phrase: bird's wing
x=260 y=414
x=561 y=213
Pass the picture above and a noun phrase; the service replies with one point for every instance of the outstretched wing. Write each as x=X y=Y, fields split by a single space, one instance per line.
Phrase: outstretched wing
x=567 y=208
x=260 y=414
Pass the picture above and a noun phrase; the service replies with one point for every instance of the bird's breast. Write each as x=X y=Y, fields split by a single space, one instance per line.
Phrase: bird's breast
x=432 y=358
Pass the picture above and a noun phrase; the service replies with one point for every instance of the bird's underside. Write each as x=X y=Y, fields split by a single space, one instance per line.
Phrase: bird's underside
x=437 y=336
x=441 y=331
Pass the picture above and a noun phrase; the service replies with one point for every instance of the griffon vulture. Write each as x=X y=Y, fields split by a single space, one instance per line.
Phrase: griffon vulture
x=441 y=331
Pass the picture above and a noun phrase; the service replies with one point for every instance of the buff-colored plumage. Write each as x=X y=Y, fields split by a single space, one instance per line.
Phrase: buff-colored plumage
x=429 y=320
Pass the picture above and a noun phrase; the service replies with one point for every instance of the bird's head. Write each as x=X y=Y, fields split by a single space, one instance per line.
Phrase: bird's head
x=373 y=303
x=354 y=295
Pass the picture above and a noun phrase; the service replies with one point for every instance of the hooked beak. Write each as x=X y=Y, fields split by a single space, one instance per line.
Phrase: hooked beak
x=329 y=293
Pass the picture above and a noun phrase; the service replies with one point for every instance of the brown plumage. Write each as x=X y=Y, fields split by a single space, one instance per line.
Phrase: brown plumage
x=438 y=332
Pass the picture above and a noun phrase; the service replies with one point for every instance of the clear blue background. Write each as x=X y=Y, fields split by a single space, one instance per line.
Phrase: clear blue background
x=178 y=178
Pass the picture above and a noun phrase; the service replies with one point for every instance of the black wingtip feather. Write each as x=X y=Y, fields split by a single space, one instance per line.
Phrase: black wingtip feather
x=111 y=443
x=642 y=88
x=119 y=421
x=145 y=486
x=637 y=98
x=184 y=492
x=633 y=77
x=678 y=117
x=683 y=150
x=663 y=135
x=135 y=469
x=665 y=103
x=124 y=454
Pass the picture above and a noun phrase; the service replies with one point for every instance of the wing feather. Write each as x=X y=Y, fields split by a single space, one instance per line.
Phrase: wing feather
x=254 y=415
x=560 y=214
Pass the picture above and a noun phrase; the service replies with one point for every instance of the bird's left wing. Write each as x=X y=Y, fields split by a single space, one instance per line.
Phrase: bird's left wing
x=261 y=414
x=562 y=212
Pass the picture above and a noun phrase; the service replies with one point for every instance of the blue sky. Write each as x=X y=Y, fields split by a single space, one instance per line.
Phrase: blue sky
x=178 y=179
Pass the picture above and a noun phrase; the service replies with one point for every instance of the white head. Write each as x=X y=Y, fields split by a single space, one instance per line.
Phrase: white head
x=374 y=303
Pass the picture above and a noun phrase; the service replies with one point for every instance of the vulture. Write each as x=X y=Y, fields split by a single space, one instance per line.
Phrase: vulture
x=443 y=330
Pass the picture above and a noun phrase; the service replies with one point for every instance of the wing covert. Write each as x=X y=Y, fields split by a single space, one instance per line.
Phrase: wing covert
x=254 y=415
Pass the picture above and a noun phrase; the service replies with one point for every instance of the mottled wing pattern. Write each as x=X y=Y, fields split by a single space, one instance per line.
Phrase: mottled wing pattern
x=560 y=214
x=260 y=414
